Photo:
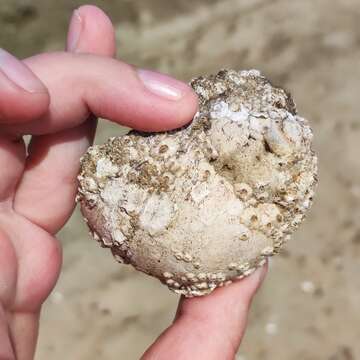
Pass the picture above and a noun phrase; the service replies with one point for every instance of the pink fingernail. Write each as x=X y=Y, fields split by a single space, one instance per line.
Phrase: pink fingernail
x=163 y=85
x=261 y=272
x=75 y=30
x=19 y=73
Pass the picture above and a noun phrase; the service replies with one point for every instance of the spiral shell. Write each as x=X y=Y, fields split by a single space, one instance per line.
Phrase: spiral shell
x=200 y=206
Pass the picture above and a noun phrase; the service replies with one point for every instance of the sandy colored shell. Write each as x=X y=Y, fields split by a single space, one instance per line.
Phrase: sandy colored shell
x=206 y=204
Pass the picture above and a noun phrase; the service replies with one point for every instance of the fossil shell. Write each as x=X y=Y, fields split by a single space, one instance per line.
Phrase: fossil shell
x=203 y=205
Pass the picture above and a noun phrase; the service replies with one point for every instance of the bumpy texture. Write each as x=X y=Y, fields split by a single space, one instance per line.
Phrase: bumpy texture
x=203 y=205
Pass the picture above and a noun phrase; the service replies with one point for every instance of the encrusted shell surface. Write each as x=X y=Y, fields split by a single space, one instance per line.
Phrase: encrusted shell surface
x=203 y=205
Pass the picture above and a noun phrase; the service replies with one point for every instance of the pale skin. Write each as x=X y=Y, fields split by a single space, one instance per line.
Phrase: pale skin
x=56 y=97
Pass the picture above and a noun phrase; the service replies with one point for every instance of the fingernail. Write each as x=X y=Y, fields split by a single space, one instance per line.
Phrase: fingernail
x=261 y=272
x=19 y=73
x=258 y=276
x=75 y=29
x=163 y=85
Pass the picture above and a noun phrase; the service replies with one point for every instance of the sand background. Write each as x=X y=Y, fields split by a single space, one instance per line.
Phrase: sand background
x=308 y=307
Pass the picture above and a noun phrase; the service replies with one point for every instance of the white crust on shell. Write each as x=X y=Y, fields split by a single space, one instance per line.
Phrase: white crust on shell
x=204 y=205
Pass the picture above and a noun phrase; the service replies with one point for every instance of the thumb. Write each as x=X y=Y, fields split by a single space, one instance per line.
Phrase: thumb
x=209 y=327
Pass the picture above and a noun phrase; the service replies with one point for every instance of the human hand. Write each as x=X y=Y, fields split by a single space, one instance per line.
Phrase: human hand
x=55 y=97
x=209 y=327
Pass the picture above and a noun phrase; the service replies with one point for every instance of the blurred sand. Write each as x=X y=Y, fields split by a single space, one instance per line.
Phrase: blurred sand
x=308 y=308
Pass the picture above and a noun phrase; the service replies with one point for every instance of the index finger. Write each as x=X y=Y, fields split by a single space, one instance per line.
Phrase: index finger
x=80 y=84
